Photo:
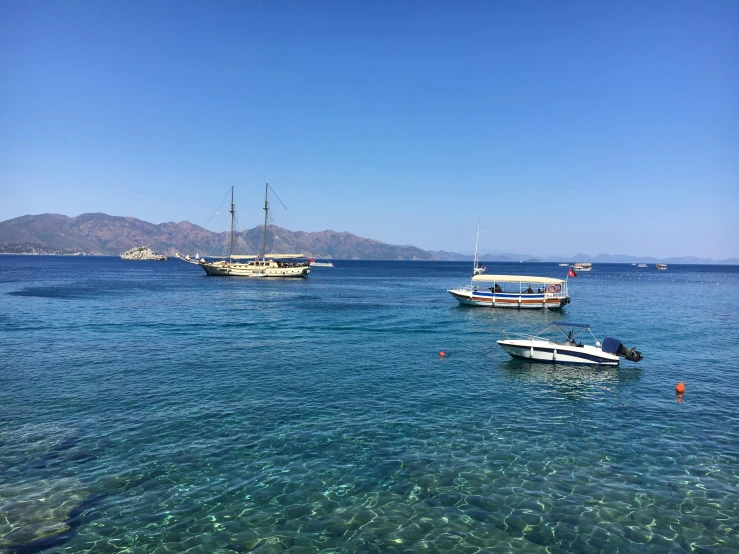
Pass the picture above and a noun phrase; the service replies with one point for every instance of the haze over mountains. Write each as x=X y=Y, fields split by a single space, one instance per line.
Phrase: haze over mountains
x=102 y=234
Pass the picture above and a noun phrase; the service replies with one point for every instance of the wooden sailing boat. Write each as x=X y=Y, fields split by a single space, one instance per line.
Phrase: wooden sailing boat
x=266 y=265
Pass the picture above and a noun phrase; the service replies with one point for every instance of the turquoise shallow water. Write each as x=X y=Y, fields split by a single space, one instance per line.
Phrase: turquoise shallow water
x=148 y=408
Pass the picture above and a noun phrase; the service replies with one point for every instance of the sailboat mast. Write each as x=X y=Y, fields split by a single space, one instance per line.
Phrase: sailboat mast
x=233 y=217
x=477 y=242
x=266 y=213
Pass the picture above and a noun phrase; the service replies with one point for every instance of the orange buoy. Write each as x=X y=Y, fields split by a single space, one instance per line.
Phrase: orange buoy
x=442 y=353
x=680 y=388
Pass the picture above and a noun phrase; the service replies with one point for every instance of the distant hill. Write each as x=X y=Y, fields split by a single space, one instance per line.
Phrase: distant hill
x=102 y=234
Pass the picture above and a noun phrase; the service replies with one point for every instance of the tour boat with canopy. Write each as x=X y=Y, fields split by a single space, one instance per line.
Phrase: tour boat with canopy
x=513 y=291
x=538 y=348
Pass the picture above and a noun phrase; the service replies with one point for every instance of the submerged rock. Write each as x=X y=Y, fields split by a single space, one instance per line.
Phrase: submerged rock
x=142 y=253
x=37 y=510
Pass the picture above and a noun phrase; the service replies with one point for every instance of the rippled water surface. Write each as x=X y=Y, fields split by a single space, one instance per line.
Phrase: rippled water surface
x=145 y=407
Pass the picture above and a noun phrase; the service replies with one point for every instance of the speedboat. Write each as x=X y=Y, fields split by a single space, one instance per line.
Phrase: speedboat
x=567 y=350
x=314 y=263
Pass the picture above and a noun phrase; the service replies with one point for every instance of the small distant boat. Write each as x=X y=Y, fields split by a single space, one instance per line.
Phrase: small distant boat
x=642 y=265
x=582 y=266
x=197 y=256
x=564 y=265
x=513 y=291
x=314 y=263
x=477 y=268
x=661 y=267
x=537 y=348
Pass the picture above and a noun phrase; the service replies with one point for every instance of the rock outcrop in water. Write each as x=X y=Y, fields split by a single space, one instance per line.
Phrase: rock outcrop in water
x=37 y=510
x=142 y=253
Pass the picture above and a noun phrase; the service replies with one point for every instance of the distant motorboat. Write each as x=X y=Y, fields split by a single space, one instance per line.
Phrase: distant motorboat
x=642 y=265
x=564 y=265
x=661 y=267
x=537 y=348
x=582 y=266
x=314 y=263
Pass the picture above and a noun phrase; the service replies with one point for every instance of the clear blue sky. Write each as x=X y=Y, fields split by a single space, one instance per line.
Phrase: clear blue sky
x=563 y=126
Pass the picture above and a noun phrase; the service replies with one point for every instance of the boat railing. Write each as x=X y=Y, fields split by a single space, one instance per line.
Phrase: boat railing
x=505 y=335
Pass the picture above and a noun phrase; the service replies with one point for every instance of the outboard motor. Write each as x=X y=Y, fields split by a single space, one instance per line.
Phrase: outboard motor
x=614 y=346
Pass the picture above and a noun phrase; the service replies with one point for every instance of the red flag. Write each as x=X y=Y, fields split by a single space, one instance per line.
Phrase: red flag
x=571 y=273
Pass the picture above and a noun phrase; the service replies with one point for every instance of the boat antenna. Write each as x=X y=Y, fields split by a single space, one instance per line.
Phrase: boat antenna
x=233 y=215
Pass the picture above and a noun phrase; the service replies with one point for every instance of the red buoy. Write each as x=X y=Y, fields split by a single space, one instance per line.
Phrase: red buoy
x=442 y=353
x=680 y=388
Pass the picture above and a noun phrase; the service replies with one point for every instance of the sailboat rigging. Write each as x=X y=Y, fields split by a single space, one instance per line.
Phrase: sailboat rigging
x=477 y=268
x=268 y=265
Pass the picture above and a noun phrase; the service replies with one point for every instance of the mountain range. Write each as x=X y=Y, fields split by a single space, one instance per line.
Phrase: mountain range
x=102 y=234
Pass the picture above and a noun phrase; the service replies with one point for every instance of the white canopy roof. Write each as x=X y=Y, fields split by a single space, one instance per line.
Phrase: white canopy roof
x=517 y=279
x=241 y=257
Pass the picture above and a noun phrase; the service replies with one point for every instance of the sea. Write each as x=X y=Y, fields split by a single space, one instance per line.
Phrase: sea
x=146 y=407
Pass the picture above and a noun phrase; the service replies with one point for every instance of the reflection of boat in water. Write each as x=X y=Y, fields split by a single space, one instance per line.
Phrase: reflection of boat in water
x=661 y=267
x=268 y=265
x=537 y=348
x=513 y=291
x=582 y=266
x=314 y=263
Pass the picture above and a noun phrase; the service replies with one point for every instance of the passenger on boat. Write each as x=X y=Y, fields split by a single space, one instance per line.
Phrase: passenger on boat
x=529 y=291
x=497 y=288
x=538 y=291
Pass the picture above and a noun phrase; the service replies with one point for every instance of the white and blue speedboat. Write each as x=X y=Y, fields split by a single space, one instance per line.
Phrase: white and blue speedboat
x=538 y=348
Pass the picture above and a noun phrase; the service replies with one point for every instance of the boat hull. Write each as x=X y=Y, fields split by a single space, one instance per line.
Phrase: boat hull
x=540 y=301
x=548 y=352
x=243 y=270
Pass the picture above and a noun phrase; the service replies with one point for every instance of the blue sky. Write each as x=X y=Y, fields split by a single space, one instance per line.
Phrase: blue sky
x=563 y=126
